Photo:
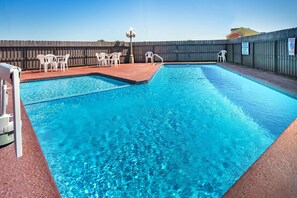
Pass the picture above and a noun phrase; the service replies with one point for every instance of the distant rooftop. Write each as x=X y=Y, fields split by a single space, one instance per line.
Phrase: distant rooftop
x=241 y=32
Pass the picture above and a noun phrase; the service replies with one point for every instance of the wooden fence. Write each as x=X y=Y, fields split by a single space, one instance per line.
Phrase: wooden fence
x=181 y=51
x=268 y=51
x=24 y=53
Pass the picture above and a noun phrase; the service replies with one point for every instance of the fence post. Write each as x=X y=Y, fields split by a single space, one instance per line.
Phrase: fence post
x=241 y=56
x=176 y=53
x=85 y=56
x=54 y=50
x=233 y=53
x=253 y=54
x=226 y=48
x=154 y=51
x=24 y=59
x=275 y=53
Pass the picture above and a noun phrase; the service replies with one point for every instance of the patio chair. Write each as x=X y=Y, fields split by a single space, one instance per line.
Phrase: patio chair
x=63 y=62
x=119 y=57
x=51 y=60
x=222 y=56
x=101 y=59
x=149 y=55
x=114 y=59
x=41 y=57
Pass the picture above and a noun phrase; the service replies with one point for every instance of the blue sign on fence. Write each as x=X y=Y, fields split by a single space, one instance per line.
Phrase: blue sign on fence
x=291 y=46
x=245 y=48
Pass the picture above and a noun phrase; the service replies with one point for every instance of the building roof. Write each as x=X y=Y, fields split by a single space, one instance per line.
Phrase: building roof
x=242 y=32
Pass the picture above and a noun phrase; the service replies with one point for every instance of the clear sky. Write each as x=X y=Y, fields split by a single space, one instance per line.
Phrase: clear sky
x=152 y=20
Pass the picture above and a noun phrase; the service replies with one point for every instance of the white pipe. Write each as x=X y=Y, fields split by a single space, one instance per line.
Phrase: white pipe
x=2 y=104
x=11 y=74
x=5 y=97
x=17 y=123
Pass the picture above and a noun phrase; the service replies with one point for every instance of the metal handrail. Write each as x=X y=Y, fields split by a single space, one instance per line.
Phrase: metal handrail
x=159 y=57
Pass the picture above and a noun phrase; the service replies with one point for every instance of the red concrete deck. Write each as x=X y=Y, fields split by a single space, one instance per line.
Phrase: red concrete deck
x=274 y=174
x=134 y=73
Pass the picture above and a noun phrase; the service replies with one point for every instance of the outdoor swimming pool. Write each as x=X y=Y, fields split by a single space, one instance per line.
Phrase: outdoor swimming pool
x=191 y=131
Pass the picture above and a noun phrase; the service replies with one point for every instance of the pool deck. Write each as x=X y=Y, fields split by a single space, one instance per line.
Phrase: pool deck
x=132 y=73
x=269 y=78
x=274 y=174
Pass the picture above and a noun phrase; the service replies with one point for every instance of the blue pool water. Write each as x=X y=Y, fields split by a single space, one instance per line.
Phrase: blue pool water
x=192 y=131
x=44 y=90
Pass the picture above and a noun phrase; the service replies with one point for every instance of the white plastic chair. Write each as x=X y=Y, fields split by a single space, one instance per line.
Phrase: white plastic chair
x=119 y=57
x=63 y=62
x=222 y=56
x=149 y=55
x=101 y=59
x=51 y=60
x=41 y=57
x=114 y=59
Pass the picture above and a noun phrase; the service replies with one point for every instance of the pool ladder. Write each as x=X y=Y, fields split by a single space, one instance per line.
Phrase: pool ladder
x=159 y=57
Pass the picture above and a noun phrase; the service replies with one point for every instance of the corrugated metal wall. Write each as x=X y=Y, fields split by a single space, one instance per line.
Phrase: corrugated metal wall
x=286 y=64
x=267 y=51
x=230 y=53
x=237 y=53
x=249 y=60
x=264 y=55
